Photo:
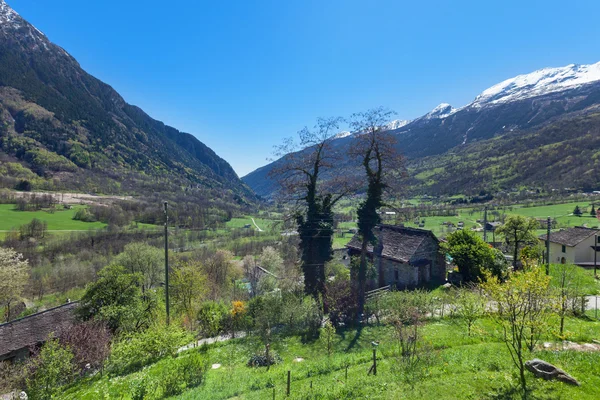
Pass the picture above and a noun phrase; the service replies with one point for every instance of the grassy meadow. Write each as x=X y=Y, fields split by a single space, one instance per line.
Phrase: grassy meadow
x=453 y=366
x=57 y=220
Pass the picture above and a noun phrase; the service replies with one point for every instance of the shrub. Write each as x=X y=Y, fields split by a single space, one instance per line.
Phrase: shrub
x=211 y=318
x=49 y=370
x=135 y=351
x=83 y=214
x=264 y=360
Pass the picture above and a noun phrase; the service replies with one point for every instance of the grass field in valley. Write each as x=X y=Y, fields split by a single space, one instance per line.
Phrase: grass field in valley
x=59 y=220
x=454 y=366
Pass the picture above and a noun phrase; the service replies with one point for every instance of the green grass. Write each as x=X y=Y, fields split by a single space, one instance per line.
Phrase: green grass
x=264 y=224
x=57 y=221
x=458 y=367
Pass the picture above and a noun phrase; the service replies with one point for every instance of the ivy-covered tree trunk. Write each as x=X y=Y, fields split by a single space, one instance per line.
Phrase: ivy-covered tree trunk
x=316 y=233
x=368 y=219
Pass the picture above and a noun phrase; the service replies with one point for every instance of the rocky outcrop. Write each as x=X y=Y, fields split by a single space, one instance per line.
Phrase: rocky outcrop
x=543 y=369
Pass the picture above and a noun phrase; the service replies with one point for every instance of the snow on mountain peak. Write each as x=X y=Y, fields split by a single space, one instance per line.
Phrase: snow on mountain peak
x=397 y=124
x=342 y=134
x=442 y=111
x=7 y=14
x=540 y=82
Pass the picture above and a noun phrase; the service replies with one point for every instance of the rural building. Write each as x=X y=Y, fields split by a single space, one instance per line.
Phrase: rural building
x=491 y=226
x=18 y=337
x=404 y=257
x=573 y=246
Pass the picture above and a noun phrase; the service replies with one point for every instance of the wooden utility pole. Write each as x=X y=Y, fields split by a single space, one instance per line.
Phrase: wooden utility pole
x=485 y=224
x=548 y=246
x=167 y=260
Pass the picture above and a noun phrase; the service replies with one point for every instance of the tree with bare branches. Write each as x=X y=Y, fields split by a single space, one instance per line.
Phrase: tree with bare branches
x=302 y=175
x=376 y=150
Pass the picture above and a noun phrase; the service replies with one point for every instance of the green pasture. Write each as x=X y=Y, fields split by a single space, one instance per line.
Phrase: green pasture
x=59 y=220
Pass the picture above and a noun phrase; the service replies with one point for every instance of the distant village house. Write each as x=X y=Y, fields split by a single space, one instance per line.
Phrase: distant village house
x=574 y=246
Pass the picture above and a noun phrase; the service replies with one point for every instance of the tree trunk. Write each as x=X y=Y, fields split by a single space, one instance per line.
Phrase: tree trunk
x=362 y=278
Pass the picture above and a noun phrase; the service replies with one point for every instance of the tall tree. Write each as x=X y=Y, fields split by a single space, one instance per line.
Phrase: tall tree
x=593 y=212
x=577 y=211
x=13 y=277
x=300 y=174
x=518 y=231
x=470 y=253
x=375 y=148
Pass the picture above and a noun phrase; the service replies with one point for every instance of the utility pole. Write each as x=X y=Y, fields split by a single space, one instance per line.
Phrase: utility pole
x=595 y=255
x=485 y=224
x=167 y=259
x=548 y=246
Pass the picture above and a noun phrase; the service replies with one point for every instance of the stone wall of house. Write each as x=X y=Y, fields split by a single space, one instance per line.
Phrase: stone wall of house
x=430 y=250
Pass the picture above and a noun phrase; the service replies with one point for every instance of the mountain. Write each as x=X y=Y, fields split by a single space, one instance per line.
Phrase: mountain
x=61 y=128
x=505 y=119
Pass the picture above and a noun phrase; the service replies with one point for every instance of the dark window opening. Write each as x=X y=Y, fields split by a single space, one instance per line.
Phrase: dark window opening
x=564 y=248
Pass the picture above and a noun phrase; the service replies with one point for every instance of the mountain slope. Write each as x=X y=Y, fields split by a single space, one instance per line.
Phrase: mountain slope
x=67 y=126
x=517 y=107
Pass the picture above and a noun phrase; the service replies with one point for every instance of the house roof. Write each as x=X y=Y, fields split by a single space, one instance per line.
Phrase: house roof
x=399 y=243
x=34 y=329
x=572 y=236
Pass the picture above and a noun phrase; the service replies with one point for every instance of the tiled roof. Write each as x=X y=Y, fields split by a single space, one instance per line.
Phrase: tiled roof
x=572 y=236
x=399 y=243
x=34 y=329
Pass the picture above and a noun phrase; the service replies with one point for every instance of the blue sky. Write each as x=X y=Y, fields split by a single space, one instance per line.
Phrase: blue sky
x=242 y=75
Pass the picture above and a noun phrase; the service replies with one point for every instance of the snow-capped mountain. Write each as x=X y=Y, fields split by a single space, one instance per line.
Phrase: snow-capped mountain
x=514 y=107
x=442 y=111
x=398 y=123
x=540 y=82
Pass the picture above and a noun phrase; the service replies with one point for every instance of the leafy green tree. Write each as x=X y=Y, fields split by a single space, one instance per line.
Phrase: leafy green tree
x=470 y=306
x=188 y=284
x=144 y=259
x=524 y=304
x=518 y=231
x=48 y=371
x=13 y=277
x=471 y=254
x=577 y=211
x=375 y=149
x=593 y=212
x=117 y=299
x=328 y=336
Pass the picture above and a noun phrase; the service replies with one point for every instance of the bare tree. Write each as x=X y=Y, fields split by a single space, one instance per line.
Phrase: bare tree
x=376 y=150
x=301 y=175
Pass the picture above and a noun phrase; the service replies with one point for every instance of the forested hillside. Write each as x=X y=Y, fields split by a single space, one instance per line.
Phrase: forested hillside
x=61 y=128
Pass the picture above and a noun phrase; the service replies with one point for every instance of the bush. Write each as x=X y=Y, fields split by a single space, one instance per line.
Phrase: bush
x=84 y=215
x=170 y=377
x=211 y=318
x=49 y=370
x=135 y=351
x=262 y=360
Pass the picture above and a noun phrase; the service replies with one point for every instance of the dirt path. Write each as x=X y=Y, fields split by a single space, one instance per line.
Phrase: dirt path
x=257 y=227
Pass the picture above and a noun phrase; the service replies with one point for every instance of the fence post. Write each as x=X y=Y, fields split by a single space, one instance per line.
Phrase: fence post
x=288 y=383
x=374 y=361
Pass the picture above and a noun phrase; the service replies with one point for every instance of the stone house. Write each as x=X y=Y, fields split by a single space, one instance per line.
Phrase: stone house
x=19 y=337
x=574 y=246
x=403 y=257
